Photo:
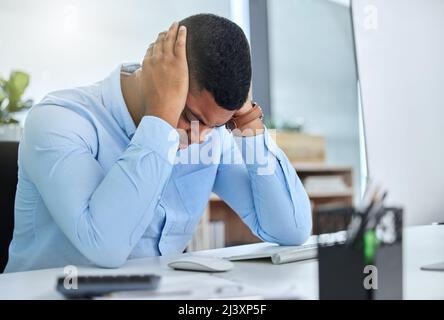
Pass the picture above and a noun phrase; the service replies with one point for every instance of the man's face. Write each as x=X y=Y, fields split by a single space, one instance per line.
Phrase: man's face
x=201 y=114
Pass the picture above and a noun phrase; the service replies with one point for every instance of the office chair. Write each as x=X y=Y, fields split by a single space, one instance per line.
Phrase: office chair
x=8 y=184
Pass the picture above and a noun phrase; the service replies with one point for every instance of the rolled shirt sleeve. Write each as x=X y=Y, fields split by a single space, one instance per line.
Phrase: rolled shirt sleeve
x=266 y=191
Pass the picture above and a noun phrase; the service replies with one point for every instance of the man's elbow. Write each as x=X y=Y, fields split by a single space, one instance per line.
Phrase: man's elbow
x=110 y=262
x=298 y=235
x=108 y=258
x=301 y=235
x=304 y=225
x=293 y=236
x=102 y=249
x=296 y=238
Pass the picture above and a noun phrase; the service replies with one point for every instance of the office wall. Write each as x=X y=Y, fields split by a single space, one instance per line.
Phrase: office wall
x=314 y=74
x=65 y=43
x=68 y=43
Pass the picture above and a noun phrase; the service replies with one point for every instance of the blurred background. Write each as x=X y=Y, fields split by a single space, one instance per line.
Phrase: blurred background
x=303 y=63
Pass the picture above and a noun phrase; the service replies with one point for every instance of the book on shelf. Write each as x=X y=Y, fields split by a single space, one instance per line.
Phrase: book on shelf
x=208 y=235
x=327 y=184
x=217 y=234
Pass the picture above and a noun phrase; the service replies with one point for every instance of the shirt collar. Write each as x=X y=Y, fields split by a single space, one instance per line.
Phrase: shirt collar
x=113 y=99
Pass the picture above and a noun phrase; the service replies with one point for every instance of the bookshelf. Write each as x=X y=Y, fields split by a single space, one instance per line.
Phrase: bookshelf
x=235 y=232
x=341 y=196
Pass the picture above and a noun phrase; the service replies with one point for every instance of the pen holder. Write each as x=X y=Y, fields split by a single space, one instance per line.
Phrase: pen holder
x=367 y=269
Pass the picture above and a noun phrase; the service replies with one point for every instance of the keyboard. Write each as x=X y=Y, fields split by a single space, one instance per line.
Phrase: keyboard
x=280 y=254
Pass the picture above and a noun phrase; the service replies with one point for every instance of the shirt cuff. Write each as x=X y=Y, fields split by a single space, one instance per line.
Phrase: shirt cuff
x=157 y=135
x=257 y=146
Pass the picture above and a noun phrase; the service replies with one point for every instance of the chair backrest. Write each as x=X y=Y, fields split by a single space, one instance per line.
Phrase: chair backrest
x=8 y=185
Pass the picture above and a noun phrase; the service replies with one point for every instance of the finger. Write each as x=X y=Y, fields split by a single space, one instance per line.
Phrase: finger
x=170 y=38
x=158 y=45
x=180 y=47
x=150 y=50
x=163 y=35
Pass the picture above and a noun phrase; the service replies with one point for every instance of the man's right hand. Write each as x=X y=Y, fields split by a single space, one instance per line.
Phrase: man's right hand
x=165 y=75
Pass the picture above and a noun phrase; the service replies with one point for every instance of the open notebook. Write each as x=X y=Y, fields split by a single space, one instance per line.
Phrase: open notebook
x=280 y=254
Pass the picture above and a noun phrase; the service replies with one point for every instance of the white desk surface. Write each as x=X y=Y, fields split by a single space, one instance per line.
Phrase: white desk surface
x=260 y=278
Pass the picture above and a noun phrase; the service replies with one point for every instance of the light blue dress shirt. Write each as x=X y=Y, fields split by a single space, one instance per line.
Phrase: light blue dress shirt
x=95 y=190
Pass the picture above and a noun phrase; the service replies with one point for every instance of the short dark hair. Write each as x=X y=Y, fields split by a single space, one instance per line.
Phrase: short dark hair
x=219 y=60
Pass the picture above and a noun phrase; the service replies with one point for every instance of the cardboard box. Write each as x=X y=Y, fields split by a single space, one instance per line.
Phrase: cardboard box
x=301 y=147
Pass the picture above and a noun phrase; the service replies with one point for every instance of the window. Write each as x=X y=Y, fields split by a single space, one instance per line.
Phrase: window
x=70 y=43
x=313 y=74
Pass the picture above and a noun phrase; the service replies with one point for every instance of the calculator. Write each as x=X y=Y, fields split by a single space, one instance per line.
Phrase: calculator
x=87 y=287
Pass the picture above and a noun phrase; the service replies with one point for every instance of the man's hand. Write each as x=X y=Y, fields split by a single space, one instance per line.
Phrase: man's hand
x=165 y=75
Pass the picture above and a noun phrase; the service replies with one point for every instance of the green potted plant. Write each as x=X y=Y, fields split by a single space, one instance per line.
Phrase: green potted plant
x=11 y=92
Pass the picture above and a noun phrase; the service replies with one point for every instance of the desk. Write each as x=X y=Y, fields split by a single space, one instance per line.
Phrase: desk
x=422 y=245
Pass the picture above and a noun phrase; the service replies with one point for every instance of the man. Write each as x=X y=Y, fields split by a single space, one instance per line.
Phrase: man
x=102 y=175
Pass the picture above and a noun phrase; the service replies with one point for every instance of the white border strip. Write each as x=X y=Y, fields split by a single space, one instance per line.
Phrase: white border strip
x=240 y=14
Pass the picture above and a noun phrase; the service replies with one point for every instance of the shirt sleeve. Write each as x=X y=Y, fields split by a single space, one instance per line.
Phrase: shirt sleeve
x=102 y=214
x=256 y=179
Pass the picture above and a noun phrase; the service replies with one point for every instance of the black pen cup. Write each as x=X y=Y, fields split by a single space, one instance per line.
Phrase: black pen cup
x=367 y=269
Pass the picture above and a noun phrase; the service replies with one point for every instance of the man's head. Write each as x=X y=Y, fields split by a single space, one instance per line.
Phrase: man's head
x=219 y=63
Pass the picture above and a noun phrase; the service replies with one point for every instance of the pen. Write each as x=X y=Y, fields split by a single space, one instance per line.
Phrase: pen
x=359 y=221
x=376 y=214
x=371 y=217
x=360 y=227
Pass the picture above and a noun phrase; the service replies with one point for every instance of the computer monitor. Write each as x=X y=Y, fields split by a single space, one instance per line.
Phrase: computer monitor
x=400 y=56
x=400 y=60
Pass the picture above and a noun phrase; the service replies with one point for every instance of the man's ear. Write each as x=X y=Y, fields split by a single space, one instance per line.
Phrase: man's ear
x=190 y=98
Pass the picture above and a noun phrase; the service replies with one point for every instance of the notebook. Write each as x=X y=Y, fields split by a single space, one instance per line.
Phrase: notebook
x=280 y=254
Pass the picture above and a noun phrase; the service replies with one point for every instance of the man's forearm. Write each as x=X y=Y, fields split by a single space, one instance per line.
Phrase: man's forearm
x=103 y=215
x=281 y=204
